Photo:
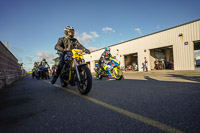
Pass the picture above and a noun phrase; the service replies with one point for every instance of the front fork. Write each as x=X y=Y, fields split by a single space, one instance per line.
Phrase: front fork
x=77 y=71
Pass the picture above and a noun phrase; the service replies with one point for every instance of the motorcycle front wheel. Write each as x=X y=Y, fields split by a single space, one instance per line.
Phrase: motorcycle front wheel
x=85 y=85
x=117 y=73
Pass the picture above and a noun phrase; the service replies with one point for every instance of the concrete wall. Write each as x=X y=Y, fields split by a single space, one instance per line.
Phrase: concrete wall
x=10 y=70
x=183 y=54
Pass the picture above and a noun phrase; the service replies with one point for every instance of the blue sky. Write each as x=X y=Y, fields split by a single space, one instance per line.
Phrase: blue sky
x=32 y=27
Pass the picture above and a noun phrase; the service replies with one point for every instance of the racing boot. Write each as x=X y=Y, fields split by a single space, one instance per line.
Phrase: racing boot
x=58 y=71
x=99 y=73
x=53 y=81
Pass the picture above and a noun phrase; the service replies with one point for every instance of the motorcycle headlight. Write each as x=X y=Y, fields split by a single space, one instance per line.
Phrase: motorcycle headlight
x=83 y=61
x=67 y=57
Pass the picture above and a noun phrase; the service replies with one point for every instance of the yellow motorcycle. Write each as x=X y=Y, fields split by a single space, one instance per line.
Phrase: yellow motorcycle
x=75 y=72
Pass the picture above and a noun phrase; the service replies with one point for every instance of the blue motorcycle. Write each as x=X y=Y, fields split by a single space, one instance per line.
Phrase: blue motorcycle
x=110 y=70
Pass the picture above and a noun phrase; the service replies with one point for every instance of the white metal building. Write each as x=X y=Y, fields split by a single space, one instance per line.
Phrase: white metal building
x=176 y=44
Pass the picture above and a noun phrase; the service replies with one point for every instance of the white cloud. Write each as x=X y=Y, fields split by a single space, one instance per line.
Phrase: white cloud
x=92 y=48
x=94 y=34
x=17 y=49
x=29 y=59
x=138 y=30
x=47 y=55
x=105 y=29
x=20 y=60
x=86 y=38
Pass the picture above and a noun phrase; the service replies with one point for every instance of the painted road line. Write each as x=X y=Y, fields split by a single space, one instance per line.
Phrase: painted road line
x=132 y=115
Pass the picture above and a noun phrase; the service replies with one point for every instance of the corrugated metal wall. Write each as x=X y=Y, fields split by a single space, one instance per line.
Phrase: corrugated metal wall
x=183 y=54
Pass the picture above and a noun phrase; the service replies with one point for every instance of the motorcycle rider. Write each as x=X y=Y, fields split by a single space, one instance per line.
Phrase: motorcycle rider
x=64 y=44
x=44 y=65
x=44 y=62
x=105 y=58
x=35 y=66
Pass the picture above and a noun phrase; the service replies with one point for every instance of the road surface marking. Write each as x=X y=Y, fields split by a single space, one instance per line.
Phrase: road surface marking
x=132 y=115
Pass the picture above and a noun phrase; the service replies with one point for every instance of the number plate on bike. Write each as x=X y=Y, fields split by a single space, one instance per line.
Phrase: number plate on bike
x=77 y=53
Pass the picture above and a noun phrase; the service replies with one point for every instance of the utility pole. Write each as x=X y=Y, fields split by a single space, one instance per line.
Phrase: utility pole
x=7 y=44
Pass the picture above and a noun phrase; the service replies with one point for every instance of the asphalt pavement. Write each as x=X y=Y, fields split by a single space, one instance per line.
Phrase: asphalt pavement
x=142 y=102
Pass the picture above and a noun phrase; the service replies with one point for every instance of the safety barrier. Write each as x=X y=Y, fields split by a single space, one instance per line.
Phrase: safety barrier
x=10 y=69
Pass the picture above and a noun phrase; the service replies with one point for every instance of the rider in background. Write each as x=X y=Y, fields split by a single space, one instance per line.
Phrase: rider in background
x=44 y=63
x=105 y=58
x=35 y=66
x=65 y=44
x=44 y=66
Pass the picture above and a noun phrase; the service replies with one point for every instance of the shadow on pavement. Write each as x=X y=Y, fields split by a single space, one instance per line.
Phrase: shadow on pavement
x=191 y=78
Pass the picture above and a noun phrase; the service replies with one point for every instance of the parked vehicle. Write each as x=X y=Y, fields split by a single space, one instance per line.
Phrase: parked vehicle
x=197 y=63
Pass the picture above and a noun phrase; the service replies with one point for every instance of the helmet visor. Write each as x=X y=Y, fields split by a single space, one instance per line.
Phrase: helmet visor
x=71 y=33
x=108 y=51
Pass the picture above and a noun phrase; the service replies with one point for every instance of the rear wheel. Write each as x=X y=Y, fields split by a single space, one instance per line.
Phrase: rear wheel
x=85 y=85
x=38 y=75
x=33 y=75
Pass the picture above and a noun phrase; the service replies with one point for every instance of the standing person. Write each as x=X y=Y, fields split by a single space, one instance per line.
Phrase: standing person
x=53 y=70
x=156 y=64
x=65 y=44
x=145 y=65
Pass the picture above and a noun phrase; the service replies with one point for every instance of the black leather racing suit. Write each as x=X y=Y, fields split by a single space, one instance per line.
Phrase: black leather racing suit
x=63 y=44
x=105 y=57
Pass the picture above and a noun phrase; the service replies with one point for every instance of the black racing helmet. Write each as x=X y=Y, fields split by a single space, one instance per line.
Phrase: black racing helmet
x=69 y=29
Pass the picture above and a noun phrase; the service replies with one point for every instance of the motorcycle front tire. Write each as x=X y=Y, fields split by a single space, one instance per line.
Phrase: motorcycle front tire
x=85 y=85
